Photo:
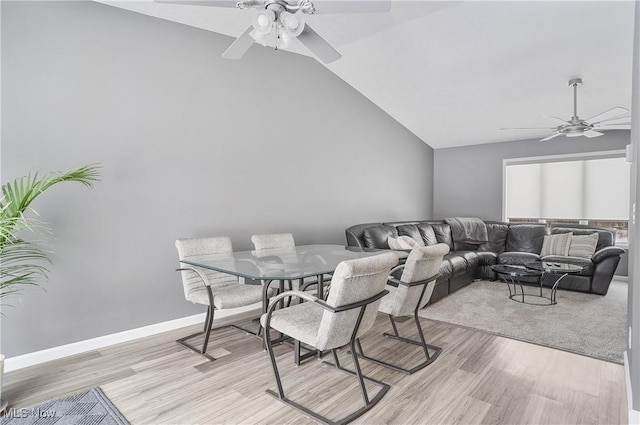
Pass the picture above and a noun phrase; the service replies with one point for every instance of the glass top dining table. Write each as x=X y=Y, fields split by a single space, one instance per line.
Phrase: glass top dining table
x=285 y=264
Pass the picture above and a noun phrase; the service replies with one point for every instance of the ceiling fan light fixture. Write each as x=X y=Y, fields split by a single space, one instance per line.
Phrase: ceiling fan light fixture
x=263 y=22
x=292 y=24
x=259 y=38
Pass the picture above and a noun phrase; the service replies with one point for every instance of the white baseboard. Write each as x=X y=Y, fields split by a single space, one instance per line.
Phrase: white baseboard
x=634 y=415
x=222 y=318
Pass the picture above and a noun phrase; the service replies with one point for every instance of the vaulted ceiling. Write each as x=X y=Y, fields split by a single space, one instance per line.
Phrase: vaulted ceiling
x=455 y=73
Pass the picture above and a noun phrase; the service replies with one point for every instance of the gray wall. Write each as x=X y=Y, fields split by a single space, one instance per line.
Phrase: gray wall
x=633 y=317
x=191 y=145
x=468 y=180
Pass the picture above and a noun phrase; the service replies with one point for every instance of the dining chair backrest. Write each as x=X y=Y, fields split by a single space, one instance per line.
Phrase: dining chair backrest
x=423 y=262
x=353 y=281
x=273 y=241
x=203 y=249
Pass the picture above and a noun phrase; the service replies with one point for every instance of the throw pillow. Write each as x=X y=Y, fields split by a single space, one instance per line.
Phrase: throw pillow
x=583 y=245
x=402 y=242
x=556 y=244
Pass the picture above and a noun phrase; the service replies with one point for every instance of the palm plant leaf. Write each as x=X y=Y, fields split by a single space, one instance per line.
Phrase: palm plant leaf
x=17 y=196
x=20 y=260
x=21 y=265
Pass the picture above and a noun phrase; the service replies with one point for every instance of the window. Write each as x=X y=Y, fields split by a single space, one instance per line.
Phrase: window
x=588 y=189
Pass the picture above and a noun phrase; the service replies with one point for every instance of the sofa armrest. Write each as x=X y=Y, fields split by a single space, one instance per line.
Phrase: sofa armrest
x=609 y=251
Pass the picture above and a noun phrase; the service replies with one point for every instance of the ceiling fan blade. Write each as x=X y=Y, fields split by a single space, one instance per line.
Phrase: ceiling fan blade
x=318 y=45
x=592 y=133
x=210 y=3
x=614 y=127
x=528 y=128
x=608 y=115
x=239 y=47
x=625 y=120
x=556 y=118
x=352 y=6
x=551 y=137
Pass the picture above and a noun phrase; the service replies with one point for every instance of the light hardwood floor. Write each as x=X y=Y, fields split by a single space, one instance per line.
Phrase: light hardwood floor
x=479 y=378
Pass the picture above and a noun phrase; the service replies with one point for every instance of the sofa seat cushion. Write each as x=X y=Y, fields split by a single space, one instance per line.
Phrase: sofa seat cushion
x=471 y=257
x=487 y=258
x=588 y=266
x=458 y=263
x=517 y=258
x=446 y=269
x=377 y=236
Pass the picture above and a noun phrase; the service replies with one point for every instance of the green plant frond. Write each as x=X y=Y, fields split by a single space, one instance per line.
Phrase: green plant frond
x=20 y=266
x=21 y=262
x=21 y=257
x=17 y=196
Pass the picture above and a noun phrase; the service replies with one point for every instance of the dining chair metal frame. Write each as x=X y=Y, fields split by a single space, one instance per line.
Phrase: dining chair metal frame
x=430 y=358
x=368 y=403
x=208 y=322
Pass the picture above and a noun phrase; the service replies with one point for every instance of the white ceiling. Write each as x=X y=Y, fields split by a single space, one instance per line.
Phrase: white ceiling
x=454 y=73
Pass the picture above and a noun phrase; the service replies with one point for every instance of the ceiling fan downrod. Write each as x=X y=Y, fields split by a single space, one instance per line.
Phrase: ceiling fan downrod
x=574 y=82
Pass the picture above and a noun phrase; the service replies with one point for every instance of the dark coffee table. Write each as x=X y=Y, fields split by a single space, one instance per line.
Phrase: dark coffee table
x=562 y=270
x=511 y=275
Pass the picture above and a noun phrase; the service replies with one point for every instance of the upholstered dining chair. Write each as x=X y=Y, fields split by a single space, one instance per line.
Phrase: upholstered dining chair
x=273 y=241
x=350 y=310
x=281 y=241
x=216 y=290
x=410 y=288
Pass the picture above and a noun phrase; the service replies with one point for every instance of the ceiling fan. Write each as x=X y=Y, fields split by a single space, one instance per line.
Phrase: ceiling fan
x=613 y=119
x=276 y=22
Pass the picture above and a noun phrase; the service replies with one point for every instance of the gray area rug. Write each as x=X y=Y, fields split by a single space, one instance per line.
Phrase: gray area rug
x=593 y=325
x=87 y=408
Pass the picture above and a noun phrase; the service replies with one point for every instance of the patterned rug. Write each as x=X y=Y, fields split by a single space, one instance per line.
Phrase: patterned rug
x=87 y=408
x=588 y=324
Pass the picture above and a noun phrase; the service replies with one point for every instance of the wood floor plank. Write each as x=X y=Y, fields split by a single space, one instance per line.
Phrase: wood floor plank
x=478 y=379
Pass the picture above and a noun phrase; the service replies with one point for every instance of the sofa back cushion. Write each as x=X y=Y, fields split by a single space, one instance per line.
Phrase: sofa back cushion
x=376 y=236
x=556 y=244
x=525 y=238
x=421 y=232
x=497 y=233
x=583 y=246
x=428 y=234
x=442 y=233
x=409 y=230
x=606 y=237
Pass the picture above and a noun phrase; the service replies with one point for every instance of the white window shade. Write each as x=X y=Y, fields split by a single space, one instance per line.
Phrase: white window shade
x=562 y=190
x=524 y=186
x=607 y=186
x=574 y=190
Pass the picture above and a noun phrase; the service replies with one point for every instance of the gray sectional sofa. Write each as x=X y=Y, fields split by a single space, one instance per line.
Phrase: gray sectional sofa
x=508 y=243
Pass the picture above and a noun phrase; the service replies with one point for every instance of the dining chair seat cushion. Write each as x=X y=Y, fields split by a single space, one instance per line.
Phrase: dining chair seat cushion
x=353 y=281
x=300 y=321
x=229 y=296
